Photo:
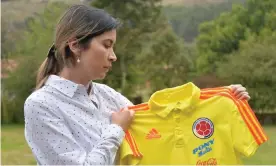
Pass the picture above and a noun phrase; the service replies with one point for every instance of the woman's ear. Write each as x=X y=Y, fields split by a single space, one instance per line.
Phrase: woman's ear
x=74 y=47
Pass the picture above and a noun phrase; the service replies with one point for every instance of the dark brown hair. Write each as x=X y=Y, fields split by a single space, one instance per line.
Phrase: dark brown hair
x=79 y=22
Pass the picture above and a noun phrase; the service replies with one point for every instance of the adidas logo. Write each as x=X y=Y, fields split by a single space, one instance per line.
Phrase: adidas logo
x=153 y=133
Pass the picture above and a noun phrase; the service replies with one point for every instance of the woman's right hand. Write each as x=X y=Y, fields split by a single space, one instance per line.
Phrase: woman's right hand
x=123 y=118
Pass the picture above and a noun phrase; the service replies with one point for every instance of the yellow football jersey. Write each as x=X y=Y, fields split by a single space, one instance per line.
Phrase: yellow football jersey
x=186 y=125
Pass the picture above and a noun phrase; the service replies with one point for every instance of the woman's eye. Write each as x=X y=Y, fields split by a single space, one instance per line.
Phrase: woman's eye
x=107 y=46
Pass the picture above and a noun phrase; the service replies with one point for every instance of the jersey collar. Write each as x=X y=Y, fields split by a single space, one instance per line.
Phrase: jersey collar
x=183 y=98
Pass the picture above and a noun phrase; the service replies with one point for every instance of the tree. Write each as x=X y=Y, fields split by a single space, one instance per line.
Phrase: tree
x=222 y=36
x=138 y=19
x=29 y=54
x=143 y=39
x=167 y=62
x=253 y=65
x=144 y=34
x=239 y=48
x=185 y=20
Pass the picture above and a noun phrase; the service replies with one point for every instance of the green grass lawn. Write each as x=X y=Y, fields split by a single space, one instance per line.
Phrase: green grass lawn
x=15 y=150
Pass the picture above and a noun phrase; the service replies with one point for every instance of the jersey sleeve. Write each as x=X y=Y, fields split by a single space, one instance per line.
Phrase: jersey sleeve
x=247 y=133
x=124 y=154
x=128 y=153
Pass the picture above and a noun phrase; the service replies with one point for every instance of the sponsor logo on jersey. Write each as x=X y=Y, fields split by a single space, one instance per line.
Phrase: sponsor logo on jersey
x=204 y=148
x=153 y=133
x=210 y=161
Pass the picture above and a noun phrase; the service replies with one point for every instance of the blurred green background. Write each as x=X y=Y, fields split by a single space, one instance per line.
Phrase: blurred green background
x=162 y=43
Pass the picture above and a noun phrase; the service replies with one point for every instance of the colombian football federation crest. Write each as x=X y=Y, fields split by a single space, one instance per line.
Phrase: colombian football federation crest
x=203 y=128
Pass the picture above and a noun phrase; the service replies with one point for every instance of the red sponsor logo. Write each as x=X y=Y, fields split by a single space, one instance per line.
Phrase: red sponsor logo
x=210 y=161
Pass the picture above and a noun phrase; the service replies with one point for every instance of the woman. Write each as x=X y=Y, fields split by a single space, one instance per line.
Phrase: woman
x=68 y=119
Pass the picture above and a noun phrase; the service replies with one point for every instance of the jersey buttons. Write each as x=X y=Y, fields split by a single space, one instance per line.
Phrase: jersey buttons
x=176 y=115
x=176 y=111
x=179 y=143
x=178 y=132
x=190 y=109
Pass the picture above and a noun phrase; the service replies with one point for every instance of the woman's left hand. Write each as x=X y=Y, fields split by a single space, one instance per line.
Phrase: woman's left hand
x=240 y=91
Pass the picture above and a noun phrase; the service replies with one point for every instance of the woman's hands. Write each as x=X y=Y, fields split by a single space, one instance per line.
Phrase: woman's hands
x=240 y=91
x=123 y=118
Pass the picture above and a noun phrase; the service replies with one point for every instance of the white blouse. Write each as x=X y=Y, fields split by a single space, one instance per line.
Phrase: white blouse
x=64 y=125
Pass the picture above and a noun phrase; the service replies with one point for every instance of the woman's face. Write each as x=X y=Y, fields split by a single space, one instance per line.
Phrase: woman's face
x=97 y=60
